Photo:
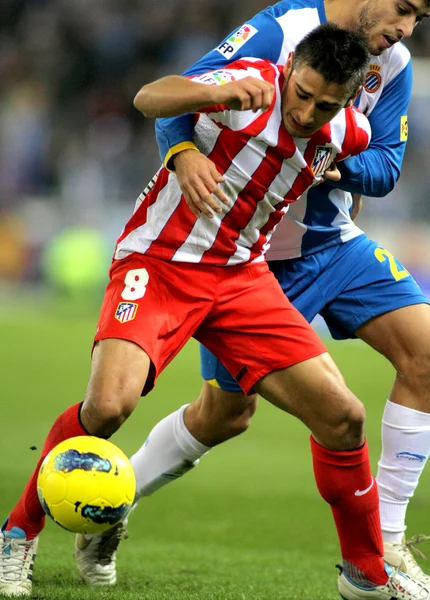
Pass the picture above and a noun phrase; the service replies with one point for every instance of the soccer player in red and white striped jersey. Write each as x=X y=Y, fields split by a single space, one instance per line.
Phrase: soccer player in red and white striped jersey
x=264 y=166
x=175 y=275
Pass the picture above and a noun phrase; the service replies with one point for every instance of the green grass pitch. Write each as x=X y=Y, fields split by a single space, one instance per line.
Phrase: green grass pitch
x=246 y=524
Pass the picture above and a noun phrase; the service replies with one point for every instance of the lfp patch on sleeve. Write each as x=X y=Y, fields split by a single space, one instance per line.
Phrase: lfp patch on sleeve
x=404 y=128
x=215 y=77
x=237 y=40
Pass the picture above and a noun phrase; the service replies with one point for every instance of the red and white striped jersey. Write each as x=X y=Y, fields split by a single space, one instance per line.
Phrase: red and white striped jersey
x=265 y=170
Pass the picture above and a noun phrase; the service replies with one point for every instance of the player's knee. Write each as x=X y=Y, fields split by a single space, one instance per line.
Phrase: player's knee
x=340 y=425
x=104 y=414
x=414 y=368
x=347 y=429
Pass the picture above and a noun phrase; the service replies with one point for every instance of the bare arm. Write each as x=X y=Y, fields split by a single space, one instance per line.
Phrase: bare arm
x=175 y=95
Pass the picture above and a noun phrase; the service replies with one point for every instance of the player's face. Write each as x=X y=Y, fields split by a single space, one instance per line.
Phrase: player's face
x=309 y=101
x=386 y=22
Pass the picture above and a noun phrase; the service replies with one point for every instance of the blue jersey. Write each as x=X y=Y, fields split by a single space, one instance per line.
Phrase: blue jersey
x=321 y=219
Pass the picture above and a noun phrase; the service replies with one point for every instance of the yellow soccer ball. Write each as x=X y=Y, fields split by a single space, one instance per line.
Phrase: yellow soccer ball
x=86 y=484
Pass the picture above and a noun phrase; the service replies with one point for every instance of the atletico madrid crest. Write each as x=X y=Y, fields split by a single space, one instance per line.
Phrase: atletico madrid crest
x=322 y=160
x=126 y=311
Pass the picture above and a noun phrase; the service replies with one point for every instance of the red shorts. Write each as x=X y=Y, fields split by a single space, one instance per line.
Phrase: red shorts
x=239 y=313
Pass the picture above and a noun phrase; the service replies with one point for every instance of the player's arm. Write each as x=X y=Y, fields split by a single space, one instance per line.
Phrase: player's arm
x=375 y=171
x=197 y=176
x=264 y=40
x=176 y=95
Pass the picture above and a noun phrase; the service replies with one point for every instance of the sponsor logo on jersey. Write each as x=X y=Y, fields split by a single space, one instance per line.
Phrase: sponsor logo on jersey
x=322 y=160
x=237 y=40
x=373 y=79
x=404 y=128
x=126 y=311
x=216 y=78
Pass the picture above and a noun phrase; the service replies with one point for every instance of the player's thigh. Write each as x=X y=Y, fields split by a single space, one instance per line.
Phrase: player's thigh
x=374 y=283
x=401 y=335
x=119 y=369
x=315 y=392
x=147 y=306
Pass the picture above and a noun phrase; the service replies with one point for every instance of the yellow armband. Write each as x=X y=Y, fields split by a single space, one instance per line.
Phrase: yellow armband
x=175 y=150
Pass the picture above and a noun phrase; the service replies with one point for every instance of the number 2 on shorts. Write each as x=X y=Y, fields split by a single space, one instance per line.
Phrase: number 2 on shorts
x=135 y=281
x=382 y=255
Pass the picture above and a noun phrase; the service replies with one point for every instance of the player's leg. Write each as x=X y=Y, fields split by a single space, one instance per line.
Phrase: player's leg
x=403 y=336
x=177 y=442
x=381 y=303
x=289 y=366
x=175 y=445
x=118 y=374
x=315 y=393
x=172 y=449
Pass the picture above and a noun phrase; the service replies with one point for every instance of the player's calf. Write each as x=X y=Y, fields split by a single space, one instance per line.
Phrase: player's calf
x=219 y=415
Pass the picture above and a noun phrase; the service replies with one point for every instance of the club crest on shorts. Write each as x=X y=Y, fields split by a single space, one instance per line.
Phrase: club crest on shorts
x=322 y=160
x=126 y=311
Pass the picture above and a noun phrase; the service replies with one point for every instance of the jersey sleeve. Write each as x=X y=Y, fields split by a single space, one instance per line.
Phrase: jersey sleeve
x=222 y=114
x=261 y=37
x=375 y=171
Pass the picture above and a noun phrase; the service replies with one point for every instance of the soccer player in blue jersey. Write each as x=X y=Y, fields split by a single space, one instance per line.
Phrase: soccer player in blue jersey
x=323 y=262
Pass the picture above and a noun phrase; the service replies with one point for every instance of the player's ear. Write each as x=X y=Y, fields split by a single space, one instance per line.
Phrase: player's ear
x=288 y=65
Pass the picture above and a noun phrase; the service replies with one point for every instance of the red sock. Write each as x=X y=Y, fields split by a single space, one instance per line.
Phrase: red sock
x=28 y=513
x=344 y=480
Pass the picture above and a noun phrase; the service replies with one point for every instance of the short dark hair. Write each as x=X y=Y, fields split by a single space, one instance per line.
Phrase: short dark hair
x=339 y=55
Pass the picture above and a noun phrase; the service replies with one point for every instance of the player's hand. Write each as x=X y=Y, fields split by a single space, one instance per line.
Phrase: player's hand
x=198 y=179
x=332 y=173
x=357 y=204
x=249 y=93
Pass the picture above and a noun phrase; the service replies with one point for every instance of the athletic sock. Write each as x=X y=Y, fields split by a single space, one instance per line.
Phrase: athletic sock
x=405 y=449
x=345 y=481
x=169 y=452
x=28 y=513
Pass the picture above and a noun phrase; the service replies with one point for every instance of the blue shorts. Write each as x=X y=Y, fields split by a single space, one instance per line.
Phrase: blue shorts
x=347 y=285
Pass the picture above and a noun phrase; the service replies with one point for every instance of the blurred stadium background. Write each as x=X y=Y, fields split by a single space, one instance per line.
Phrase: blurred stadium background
x=74 y=155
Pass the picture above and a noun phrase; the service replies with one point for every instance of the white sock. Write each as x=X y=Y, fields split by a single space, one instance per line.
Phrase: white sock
x=169 y=452
x=405 y=449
